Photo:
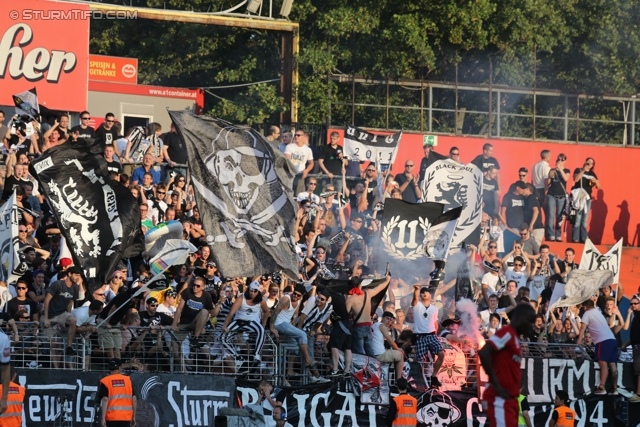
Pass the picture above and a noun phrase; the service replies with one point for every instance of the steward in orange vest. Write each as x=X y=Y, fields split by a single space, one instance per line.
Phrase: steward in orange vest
x=402 y=408
x=118 y=399
x=563 y=416
x=12 y=417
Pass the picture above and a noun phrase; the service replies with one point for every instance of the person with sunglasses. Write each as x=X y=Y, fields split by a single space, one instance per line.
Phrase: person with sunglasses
x=556 y=199
x=408 y=182
x=302 y=158
x=584 y=180
x=632 y=324
x=23 y=302
x=286 y=310
x=332 y=162
x=193 y=311
x=106 y=132
x=249 y=313
x=83 y=130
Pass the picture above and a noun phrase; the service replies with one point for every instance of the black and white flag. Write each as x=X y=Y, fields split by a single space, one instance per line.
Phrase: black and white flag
x=438 y=238
x=592 y=259
x=405 y=227
x=9 y=237
x=99 y=217
x=457 y=185
x=27 y=104
x=363 y=146
x=240 y=184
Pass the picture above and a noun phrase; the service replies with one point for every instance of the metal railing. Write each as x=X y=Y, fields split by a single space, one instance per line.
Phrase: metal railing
x=486 y=110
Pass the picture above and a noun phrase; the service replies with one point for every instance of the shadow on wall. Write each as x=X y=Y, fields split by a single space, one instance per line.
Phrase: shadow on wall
x=599 y=212
x=621 y=226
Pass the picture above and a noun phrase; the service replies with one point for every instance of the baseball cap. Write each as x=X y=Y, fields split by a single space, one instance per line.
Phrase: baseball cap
x=211 y=264
x=170 y=293
x=65 y=262
x=254 y=286
x=28 y=249
x=152 y=300
x=114 y=364
x=388 y=314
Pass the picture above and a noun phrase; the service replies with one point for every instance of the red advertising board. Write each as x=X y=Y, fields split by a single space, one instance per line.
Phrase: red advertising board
x=45 y=44
x=113 y=69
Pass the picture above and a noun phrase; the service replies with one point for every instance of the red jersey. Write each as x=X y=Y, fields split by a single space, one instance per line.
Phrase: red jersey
x=506 y=360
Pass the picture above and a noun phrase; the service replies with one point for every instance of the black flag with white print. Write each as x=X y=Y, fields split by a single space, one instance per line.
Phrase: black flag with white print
x=98 y=217
x=405 y=228
x=241 y=185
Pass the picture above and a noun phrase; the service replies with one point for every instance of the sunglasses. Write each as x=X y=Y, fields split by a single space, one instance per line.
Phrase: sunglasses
x=162 y=192
x=99 y=295
x=522 y=175
x=359 y=221
x=313 y=183
x=85 y=118
x=371 y=170
x=493 y=247
x=110 y=121
x=408 y=166
x=181 y=180
x=634 y=303
x=297 y=135
x=455 y=154
x=517 y=264
x=21 y=288
x=320 y=252
x=254 y=290
x=297 y=294
x=322 y=299
x=152 y=305
x=198 y=286
x=22 y=231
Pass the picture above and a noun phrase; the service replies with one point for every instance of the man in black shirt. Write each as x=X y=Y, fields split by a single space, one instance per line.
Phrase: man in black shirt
x=556 y=184
x=430 y=157
x=58 y=303
x=564 y=267
x=83 y=130
x=484 y=161
x=193 y=311
x=512 y=210
x=586 y=179
x=634 y=341
x=331 y=163
x=107 y=133
x=408 y=183
x=490 y=193
x=174 y=151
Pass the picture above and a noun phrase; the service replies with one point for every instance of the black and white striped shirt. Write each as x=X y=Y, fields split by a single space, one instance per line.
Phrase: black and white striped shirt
x=314 y=314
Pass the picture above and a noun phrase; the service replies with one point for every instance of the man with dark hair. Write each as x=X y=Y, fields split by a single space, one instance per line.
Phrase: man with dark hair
x=193 y=311
x=430 y=157
x=403 y=408
x=302 y=158
x=119 y=401
x=512 y=209
x=485 y=160
x=58 y=303
x=174 y=151
x=83 y=130
x=500 y=358
x=332 y=162
x=106 y=132
x=273 y=134
x=425 y=328
x=359 y=305
x=606 y=347
x=454 y=154
x=562 y=416
x=61 y=124
x=490 y=193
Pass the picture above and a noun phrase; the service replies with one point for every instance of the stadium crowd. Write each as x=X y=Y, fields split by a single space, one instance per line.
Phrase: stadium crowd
x=337 y=229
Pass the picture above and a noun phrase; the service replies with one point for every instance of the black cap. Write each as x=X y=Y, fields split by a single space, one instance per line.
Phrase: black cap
x=525 y=170
x=389 y=314
x=114 y=364
x=152 y=300
x=447 y=322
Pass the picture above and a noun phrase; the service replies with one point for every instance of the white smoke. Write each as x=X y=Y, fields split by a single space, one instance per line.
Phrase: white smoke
x=469 y=323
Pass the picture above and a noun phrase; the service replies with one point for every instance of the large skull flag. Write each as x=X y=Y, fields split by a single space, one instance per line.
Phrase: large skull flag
x=239 y=181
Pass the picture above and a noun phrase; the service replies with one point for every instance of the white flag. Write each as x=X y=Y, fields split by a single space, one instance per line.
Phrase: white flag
x=592 y=259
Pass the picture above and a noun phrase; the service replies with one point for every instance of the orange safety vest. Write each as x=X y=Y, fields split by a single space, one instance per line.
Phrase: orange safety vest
x=407 y=407
x=120 y=404
x=12 y=417
x=566 y=417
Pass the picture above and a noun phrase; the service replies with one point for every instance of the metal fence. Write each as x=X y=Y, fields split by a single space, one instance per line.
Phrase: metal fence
x=485 y=110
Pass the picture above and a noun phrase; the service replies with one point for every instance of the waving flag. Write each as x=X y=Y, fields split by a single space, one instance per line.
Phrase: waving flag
x=363 y=146
x=592 y=259
x=240 y=184
x=9 y=237
x=98 y=217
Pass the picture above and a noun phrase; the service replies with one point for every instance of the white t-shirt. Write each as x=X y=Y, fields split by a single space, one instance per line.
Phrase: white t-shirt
x=536 y=286
x=520 y=278
x=492 y=281
x=377 y=342
x=299 y=156
x=169 y=311
x=306 y=196
x=82 y=316
x=485 y=315
x=597 y=325
x=539 y=173
x=425 y=319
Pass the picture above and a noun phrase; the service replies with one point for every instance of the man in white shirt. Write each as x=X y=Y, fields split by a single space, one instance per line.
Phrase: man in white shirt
x=491 y=279
x=540 y=173
x=425 y=327
x=302 y=158
x=606 y=345
x=518 y=274
x=485 y=315
x=86 y=316
x=380 y=331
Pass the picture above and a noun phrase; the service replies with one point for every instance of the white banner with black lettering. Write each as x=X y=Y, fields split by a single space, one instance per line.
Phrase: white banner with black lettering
x=592 y=259
x=363 y=146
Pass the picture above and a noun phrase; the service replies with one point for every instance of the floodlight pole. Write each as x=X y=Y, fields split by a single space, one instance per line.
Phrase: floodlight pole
x=290 y=41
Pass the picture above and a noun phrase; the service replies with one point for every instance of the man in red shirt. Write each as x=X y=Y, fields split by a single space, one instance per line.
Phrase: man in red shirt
x=500 y=399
